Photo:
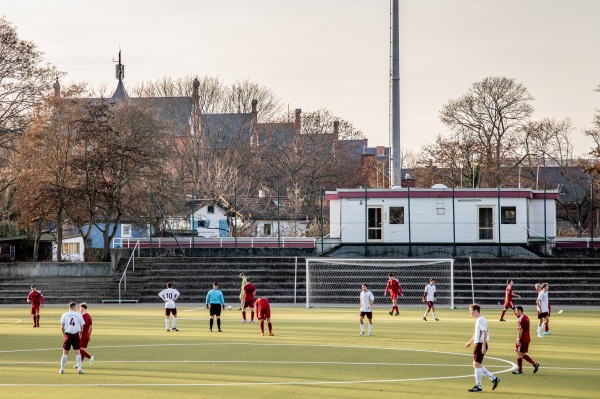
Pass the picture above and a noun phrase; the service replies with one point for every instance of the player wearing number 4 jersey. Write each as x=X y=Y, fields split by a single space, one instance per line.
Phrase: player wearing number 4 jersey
x=169 y=295
x=71 y=325
x=430 y=296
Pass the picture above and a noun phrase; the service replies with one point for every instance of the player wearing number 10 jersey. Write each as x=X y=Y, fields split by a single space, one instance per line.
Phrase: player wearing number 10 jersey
x=170 y=295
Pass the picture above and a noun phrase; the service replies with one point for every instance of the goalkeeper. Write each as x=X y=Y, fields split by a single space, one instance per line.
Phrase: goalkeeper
x=244 y=281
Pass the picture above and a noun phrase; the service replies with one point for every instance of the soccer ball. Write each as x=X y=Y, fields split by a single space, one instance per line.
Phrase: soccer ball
x=229 y=307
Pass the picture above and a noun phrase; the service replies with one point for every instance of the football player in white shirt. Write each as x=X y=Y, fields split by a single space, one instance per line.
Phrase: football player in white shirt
x=169 y=295
x=542 y=308
x=367 y=299
x=71 y=324
x=480 y=338
x=430 y=296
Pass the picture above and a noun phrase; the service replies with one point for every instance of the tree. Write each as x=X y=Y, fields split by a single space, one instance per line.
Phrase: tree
x=493 y=114
x=23 y=83
x=121 y=158
x=324 y=153
x=43 y=194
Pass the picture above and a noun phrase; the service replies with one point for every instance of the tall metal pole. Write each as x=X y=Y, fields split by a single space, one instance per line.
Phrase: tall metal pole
x=150 y=231
x=409 y=223
x=366 y=222
x=592 y=216
x=193 y=232
x=321 y=205
x=454 y=224
x=235 y=218
x=278 y=224
x=395 y=111
x=499 y=226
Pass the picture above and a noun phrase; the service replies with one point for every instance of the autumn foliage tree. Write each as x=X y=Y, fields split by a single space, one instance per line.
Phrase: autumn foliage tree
x=43 y=192
x=121 y=157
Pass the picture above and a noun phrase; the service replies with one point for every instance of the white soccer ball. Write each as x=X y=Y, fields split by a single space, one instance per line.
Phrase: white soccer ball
x=229 y=307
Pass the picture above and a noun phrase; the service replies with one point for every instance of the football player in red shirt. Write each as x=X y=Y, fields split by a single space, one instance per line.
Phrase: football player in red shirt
x=393 y=285
x=523 y=340
x=248 y=299
x=263 y=312
x=508 y=302
x=36 y=298
x=86 y=333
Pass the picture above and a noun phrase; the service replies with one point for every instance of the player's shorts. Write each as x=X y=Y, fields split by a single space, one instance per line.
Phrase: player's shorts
x=522 y=347
x=35 y=309
x=393 y=295
x=477 y=355
x=168 y=312
x=368 y=315
x=84 y=340
x=430 y=304
x=215 y=309
x=263 y=313
x=72 y=340
x=542 y=315
x=509 y=305
x=249 y=304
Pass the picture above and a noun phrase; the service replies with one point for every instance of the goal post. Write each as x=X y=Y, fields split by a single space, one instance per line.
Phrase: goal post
x=336 y=282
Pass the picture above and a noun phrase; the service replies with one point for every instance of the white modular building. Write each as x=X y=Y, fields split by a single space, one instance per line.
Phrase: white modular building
x=442 y=215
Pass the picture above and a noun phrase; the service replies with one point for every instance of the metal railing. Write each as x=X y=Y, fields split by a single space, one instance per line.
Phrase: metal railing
x=131 y=261
x=221 y=242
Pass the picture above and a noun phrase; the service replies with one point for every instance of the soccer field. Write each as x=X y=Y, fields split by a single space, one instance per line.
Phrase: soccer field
x=315 y=353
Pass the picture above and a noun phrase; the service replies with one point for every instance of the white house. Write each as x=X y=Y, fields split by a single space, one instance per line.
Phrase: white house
x=210 y=221
x=442 y=215
x=260 y=213
x=72 y=250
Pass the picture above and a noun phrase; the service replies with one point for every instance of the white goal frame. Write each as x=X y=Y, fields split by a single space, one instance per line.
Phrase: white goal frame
x=344 y=285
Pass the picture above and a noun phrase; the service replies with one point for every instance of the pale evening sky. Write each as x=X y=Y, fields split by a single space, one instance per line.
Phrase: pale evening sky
x=334 y=54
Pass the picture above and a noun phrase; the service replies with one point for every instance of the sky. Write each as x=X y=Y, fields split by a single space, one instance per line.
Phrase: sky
x=335 y=54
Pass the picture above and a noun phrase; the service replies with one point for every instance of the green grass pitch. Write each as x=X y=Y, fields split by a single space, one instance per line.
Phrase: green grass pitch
x=315 y=353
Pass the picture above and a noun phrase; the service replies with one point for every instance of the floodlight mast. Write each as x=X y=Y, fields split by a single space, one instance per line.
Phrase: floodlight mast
x=396 y=164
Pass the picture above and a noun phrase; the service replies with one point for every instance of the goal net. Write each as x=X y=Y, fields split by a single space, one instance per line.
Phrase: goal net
x=334 y=282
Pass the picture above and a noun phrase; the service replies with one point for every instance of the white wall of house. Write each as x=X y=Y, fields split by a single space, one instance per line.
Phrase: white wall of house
x=289 y=228
x=212 y=214
x=72 y=250
x=435 y=217
x=536 y=218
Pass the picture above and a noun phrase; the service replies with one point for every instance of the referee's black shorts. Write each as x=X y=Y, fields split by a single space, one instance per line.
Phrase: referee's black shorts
x=215 y=309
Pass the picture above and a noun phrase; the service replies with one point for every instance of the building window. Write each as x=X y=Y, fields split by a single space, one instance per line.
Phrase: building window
x=397 y=215
x=486 y=224
x=126 y=230
x=267 y=229
x=70 y=248
x=210 y=209
x=508 y=214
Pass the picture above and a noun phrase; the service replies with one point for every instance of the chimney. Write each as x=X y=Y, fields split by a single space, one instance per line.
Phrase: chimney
x=297 y=121
x=408 y=181
x=195 y=85
x=380 y=150
x=254 y=116
x=56 y=87
x=336 y=129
